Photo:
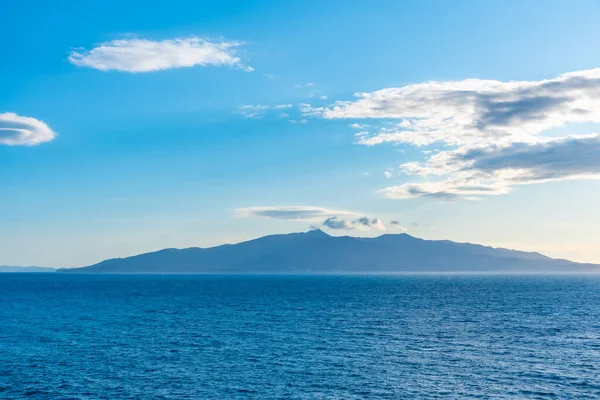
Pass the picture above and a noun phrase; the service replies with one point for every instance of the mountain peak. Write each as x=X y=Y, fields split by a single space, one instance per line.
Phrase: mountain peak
x=317 y=233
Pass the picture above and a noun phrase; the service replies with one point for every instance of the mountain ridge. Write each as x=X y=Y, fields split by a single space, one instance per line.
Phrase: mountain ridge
x=317 y=252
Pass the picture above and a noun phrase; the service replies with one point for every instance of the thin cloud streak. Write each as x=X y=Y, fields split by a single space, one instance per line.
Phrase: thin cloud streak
x=293 y=212
x=334 y=219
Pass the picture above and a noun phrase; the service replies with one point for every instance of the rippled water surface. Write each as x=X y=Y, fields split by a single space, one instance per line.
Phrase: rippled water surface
x=209 y=337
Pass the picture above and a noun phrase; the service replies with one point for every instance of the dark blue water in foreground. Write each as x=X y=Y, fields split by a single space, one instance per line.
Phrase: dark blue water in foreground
x=207 y=337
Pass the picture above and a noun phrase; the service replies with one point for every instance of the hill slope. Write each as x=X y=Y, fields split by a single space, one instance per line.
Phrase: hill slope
x=317 y=252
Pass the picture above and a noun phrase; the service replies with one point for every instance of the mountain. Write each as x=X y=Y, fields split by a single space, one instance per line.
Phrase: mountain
x=6 y=268
x=317 y=252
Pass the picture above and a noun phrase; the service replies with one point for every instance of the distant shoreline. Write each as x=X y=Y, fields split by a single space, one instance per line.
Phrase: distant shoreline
x=64 y=272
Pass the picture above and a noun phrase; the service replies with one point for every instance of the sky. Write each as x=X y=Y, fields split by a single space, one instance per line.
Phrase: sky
x=128 y=127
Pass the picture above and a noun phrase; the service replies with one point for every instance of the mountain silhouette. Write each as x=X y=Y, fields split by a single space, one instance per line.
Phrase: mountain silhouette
x=317 y=252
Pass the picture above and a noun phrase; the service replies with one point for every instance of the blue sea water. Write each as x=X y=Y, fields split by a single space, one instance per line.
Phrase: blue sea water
x=271 y=337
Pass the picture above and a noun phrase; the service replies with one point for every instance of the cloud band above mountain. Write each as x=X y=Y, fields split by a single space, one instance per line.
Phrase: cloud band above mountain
x=332 y=219
x=293 y=212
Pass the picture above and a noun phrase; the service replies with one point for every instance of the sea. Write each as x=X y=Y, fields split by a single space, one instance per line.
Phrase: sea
x=299 y=337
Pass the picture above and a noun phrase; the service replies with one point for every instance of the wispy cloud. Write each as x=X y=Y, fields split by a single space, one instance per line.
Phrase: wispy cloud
x=492 y=169
x=16 y=130
x=259 y=110
x=142 y=55
x=293 y=212
x=332 y=219
x=254 y=111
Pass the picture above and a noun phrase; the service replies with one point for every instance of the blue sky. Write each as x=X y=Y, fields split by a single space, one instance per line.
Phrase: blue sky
x=189 y=123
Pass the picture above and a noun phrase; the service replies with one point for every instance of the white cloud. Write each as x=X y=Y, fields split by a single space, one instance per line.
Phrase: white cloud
x=283 y=106
x=461 y=112
x=488 y=134
x=492 y=169
x=387 y=174
x=16 y=130
x=142 y=55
